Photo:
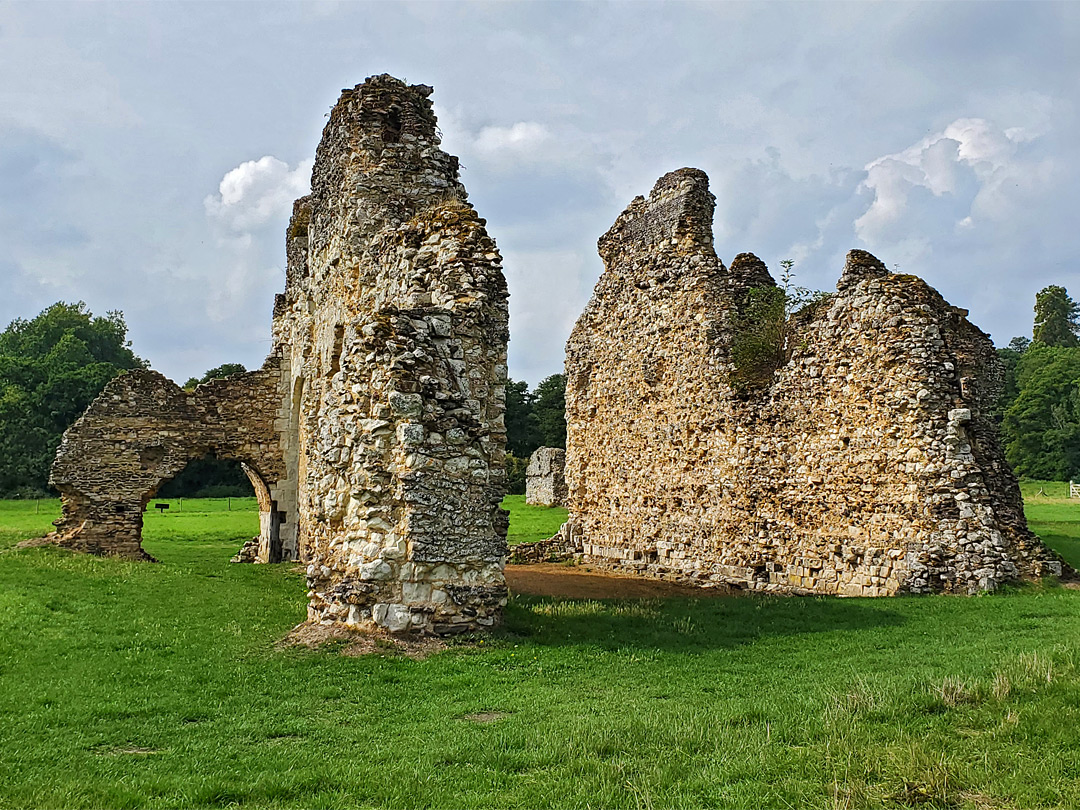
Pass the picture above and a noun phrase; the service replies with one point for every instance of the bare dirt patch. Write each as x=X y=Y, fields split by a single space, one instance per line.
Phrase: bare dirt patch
x=356 y=642
x=485 y=717
x=583 y=582
x=34 y=542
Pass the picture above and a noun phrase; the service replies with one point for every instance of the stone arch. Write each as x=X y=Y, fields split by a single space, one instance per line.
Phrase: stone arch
x=273 y=546
x=143 y=430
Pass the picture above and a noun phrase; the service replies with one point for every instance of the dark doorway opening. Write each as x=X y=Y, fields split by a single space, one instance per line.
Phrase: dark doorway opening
x=208 y=477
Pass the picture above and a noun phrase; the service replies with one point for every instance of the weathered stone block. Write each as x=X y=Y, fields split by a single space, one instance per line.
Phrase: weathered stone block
x=545 y=484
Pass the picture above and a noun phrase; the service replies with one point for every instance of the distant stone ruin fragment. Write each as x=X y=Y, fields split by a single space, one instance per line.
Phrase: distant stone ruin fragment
x=374 y=433
x=867 y=466
x=545 y=484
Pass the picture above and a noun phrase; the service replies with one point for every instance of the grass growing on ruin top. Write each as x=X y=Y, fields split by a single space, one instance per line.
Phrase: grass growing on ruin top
x=134 y=685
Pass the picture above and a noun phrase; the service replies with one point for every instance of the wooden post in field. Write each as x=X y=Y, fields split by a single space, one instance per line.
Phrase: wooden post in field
x=181 y=504
x=230 y=504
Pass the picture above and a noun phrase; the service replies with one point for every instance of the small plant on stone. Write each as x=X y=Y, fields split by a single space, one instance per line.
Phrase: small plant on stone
x=766 y=330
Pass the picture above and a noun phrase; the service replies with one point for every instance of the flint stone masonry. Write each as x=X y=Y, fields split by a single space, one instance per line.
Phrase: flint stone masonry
x=544 y=481
x=868 y=467
x=375 y=433
x=394 y=323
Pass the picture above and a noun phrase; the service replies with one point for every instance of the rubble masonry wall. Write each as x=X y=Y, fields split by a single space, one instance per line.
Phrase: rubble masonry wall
x=868 y=467
x=395 y=319
x=545 y=484
x=144 y=429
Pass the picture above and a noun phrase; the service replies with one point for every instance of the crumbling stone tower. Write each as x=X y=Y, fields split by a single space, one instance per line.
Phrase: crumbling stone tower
x=395 y=322
x=867 y=466
x=374 y=433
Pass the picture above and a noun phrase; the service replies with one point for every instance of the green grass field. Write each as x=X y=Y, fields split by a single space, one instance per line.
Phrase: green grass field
x=531 y=523
x=1053 y=517
x=139 y=685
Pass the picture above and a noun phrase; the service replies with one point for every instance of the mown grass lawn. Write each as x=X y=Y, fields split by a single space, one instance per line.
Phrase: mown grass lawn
x=531 y=523
x=138 y=685
x=1053 y=516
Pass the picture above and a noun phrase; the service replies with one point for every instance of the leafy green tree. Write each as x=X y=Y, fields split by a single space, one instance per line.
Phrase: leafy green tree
x=1057 y=318
x=549 y=408
x=208 y=477
x=515 y=474
x=224 y=370
x=535 y=418
x=1019 y=344
x=51 y=368
x=522 y=433
x=1042 y=426
x=1010 y=359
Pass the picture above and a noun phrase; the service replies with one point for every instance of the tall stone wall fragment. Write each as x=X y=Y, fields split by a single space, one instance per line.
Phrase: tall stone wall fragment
x=545 y=484
x=395 y=322
x=869 y=466
x=374 y=435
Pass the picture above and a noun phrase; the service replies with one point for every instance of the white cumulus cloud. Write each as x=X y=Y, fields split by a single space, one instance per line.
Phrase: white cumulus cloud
x=971 y=159
x=257 y=192
x=522 y=136
x=252 y=202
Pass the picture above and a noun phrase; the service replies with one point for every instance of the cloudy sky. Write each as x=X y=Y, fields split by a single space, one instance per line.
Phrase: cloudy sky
x=149 y=152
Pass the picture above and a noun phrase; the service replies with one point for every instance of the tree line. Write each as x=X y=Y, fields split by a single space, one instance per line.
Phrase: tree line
x=534 y=419
x=1039 y=409
x=51 y=368
x=54 y=365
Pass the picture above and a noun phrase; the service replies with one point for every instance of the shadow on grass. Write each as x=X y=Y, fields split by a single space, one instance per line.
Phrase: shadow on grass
x=686 y=625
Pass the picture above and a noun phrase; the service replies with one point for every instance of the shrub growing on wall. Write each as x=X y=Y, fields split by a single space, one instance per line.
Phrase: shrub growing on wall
x=766 y=331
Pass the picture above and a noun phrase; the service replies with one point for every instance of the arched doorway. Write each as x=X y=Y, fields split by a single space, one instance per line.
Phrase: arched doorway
x=271 y=518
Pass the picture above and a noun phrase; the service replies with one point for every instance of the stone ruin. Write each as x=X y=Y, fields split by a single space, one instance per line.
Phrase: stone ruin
x=545 y=484
x=374 y=433
x=868 y=465
x=144 y=429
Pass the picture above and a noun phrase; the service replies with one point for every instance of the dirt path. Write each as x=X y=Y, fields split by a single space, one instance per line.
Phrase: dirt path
x=572 y=582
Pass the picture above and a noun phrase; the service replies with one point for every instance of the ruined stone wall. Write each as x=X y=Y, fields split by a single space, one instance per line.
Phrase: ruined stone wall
x=374 y=435
x=395 y=322
x=144 y=429
x=868 y=467
x=545 y=484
